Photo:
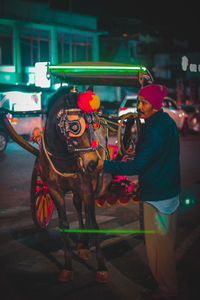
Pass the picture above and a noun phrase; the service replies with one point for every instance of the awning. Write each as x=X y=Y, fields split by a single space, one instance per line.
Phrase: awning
x=101 y=73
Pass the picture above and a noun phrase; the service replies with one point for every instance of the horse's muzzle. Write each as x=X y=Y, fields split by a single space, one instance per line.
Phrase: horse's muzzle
x=91 y=167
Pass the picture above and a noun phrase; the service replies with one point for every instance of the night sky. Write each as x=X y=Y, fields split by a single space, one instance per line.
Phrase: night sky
x=179 y=19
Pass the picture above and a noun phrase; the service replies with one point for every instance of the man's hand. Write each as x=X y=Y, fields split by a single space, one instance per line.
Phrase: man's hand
x=100 y=164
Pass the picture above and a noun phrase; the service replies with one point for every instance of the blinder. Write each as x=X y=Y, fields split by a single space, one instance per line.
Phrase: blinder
x=73 y=123
x=74 y=128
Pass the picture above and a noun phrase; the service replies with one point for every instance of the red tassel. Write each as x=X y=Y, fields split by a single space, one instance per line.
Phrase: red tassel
x=94 y=143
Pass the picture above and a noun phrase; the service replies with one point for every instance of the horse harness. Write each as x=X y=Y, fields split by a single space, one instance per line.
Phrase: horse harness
x=73 y=123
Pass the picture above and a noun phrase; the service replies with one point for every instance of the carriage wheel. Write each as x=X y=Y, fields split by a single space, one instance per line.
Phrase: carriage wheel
x=128 y=133
x=41 y=202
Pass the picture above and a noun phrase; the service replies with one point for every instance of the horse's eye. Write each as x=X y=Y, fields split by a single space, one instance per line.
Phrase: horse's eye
x=75 y=143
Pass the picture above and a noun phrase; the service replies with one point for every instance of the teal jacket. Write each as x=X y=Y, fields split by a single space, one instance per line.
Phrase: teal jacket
x=156 y=160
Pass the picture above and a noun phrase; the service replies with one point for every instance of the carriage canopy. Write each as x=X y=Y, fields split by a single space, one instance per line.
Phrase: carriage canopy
x=101 y=73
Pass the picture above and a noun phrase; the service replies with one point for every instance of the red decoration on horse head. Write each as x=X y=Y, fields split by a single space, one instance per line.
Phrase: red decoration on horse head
x=88 y=101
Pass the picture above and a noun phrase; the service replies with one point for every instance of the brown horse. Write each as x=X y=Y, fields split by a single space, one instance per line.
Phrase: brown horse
x=72 y=143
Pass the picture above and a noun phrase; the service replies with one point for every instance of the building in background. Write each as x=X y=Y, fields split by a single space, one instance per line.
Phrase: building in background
x=32 y=33
x=170 y=59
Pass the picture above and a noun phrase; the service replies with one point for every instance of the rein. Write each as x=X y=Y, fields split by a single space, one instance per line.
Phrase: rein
x=66 y=175
x=64 y=125
x=111 y=125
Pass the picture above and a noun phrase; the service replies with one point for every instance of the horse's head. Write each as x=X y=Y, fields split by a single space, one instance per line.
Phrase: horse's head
x=75 y=132
x=83 y=136
x=77 y=138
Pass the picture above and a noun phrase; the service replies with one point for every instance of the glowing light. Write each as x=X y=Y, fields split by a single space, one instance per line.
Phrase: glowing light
x=96 y=68
x=58 y=85
x=193 y=67
x=19 y=101
x=10 y=69
x=31 y=79
x=113 y=231
x=184 y=63
x=194 y=121
x=187 y=201
x=41 y=75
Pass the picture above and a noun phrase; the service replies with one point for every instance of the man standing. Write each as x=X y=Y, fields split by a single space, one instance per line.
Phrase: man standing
x=157 y=164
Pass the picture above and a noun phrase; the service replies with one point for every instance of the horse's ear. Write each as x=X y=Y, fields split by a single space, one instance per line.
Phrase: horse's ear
x=70 y=100
x=66 y=101
x=90 y=88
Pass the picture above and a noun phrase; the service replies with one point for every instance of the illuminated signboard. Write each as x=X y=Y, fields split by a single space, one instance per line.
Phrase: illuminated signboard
x=41 y=75
x=19 y=101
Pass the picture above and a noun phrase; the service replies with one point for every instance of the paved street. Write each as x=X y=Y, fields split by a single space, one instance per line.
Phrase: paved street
x=31 y=260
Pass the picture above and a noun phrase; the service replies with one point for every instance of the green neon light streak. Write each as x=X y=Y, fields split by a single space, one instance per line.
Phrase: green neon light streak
x=106 y=231
x=96 y=68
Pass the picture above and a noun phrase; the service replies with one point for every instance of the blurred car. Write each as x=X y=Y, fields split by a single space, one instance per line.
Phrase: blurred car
x=193 y=112
x=109 y=108
x=128 y=104
x=29 y=105
x=177 y=114
x=3 y=138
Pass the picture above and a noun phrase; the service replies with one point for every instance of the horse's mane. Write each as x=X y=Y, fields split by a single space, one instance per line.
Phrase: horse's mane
x=69 y=100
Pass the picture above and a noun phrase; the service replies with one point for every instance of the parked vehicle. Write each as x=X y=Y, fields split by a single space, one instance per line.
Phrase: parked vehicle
x=193 y=112
x=29 y=104
x=109 y=108
x=128 y=104
x=3 y=138
x=177 y=114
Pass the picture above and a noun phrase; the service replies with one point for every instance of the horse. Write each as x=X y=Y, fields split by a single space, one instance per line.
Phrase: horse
x=72 y=143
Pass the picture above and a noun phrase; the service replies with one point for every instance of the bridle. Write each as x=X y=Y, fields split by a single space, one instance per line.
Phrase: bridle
x=72 y=124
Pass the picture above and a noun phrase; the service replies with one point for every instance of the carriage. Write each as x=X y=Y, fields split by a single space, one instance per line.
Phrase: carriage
x=127 y=128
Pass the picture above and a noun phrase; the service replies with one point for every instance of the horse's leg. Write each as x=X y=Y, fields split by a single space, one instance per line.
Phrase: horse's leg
x=91 y=223
x=83 y=240
x=67 y=273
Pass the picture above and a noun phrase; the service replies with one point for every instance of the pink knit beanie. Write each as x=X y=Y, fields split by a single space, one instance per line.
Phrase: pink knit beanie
x=154 y=93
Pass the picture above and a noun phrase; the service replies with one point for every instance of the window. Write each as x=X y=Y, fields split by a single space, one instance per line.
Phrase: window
x=131 y=103
x=165 y=103
x=35 y=46
x=64 y=40
x=82 y=48
x=172 y=105
x=6 y=45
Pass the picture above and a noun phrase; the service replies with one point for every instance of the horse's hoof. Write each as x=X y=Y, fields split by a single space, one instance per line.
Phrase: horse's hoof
x=66 y=275
x=102 y=276
x=84 y=254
